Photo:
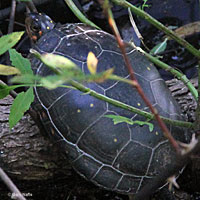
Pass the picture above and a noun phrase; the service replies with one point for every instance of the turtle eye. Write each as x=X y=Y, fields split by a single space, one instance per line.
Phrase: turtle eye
x=35 y=28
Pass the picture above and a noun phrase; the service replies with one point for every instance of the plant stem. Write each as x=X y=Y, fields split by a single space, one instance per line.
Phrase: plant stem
x=158 y=25
x=82 y=88
x=135 y=84
x=119 y=104
x=197 y=122
x=79 y=14
x=15 y=191
x=173 y=71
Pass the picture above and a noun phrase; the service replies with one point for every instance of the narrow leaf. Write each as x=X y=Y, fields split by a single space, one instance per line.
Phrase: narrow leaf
x=142 y=123
x=55 y=62
x=92 y=62
x=20 y=105
x=105 y=75
x=26 y=79
x=8 y=70
x=21 y=63
x=52 y=82
x=159 y=47
x=120 y=119
x=8 y=41
x=4 y=89
x=100 y=77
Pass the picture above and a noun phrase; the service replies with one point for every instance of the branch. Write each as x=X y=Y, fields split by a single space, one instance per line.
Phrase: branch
x=79 y=14
x=173 y=71
x=121 y=44
x=11 y=185
x=119 y=104
x=158 y=25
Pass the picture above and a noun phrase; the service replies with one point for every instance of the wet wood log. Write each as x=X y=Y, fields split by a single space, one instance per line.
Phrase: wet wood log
x=184 y=97
x=27 y=155
x=24 y=152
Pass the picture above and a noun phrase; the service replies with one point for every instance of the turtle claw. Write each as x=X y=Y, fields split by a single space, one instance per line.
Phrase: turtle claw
x=186 y=148
x=172 y=182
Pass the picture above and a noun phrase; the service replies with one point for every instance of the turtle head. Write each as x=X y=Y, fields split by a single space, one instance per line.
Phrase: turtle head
x=38 y=24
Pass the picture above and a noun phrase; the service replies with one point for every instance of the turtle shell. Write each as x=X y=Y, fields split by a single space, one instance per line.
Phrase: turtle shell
x=119 y=157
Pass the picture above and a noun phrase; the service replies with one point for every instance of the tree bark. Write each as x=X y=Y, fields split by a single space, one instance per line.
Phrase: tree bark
x=24 y=152
x=27 y=155
x=184 y=97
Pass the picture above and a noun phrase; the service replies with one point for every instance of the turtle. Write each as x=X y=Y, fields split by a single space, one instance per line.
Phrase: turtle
x=120 y=157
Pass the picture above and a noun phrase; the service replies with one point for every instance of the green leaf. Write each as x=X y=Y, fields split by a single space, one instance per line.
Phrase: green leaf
x=159 y=47
x=4 y=89
x=120 y=119
x=52 y=82
x=20 y=105
x=8 y=70
x=8 y=41
x=100 y=77
x=142 y=123
x=21 y=63
x=55 y=62
x=28 y=79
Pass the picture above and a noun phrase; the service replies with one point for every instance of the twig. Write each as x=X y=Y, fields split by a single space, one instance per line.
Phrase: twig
x=17 y=194
x=79 y=14
x=11 y=26
x=134 y=25
x=114 y=102
x=136 y=29
x=4 y=13
x=31 y=6
x=158 y=25
x=119 y=104
x=12 y=17
x=197 y=121
x=134 y=80
x=173 y=71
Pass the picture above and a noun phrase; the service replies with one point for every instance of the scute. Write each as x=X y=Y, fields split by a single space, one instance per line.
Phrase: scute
x=83 y=163
x=105 y=146
x=134 y=159
x=105 y=64
x=82 y=107
x=49 y=42
x=145 y=137
x=129 y=184
x=116 y=157
x=120 y=90
x=76 y=49
x=107 y=173
x=167 y=100
x=163 y=159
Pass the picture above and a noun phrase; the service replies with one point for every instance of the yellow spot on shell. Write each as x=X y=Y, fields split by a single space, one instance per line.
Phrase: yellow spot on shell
x=51 y=21
x=139 y=104
x=48 y=27
x=149 y=68
x=115 y=139
x=78 y=111
x=91 y=105
x=157 y=133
